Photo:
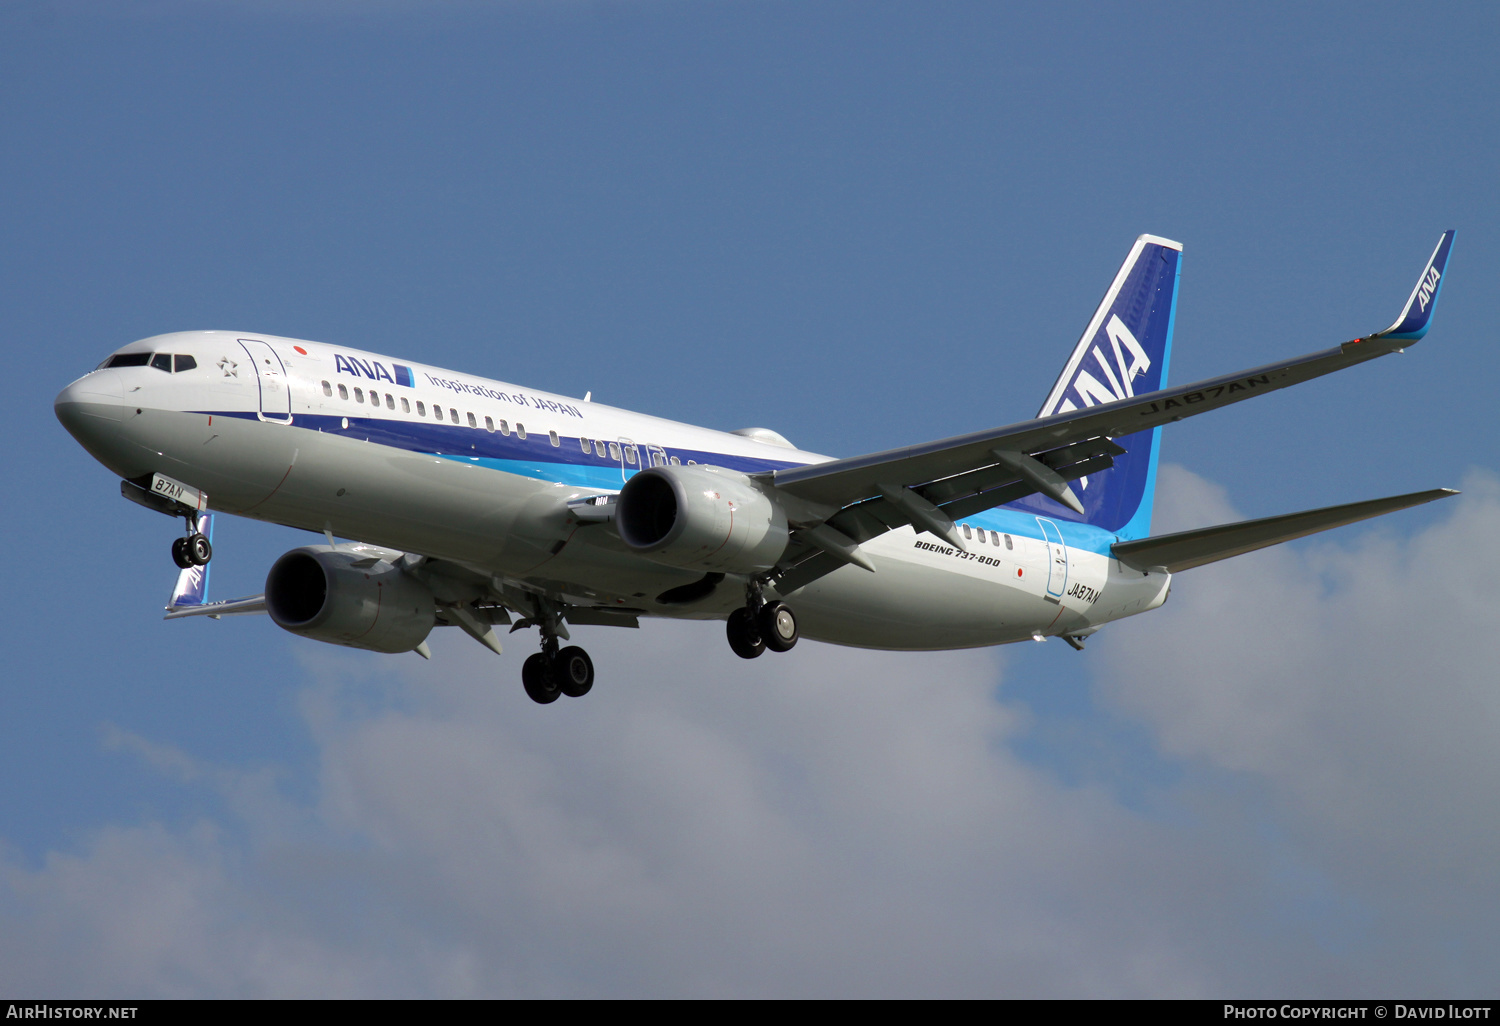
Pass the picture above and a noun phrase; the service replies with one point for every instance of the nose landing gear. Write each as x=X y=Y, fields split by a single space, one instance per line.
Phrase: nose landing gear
x=194 y=549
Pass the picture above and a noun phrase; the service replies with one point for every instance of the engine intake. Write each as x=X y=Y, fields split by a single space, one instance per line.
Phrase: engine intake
x=319 y=593
x=701 y=518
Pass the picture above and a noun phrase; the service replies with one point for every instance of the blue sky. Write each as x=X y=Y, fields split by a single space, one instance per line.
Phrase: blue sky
x=859 y=224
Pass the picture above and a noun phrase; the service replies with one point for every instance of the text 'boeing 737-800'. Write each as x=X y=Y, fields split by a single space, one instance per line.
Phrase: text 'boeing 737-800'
x=480 y=504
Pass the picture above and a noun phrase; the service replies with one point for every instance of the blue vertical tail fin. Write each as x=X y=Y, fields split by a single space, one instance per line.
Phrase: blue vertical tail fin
x=1123 y=352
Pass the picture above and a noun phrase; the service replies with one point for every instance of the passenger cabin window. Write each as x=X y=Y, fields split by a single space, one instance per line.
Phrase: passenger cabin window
x=599 y=447
x=405 y=405
x=489 y=424
x=505 y=427
x=555 y=440
x=614 y=451
x=453 y=414
x=676 y=462
x=390 y=401
x=1008 y=543
x=327 y=388
x=184 y=363
x=995 y=538
x=583 y=443
x=128 y=360
x=630 y=455
x=967 y=532
x=343 y=391
x=472 y=422
x=421 y=407
x=162 y=362
x=520 y=431
x=359 y=395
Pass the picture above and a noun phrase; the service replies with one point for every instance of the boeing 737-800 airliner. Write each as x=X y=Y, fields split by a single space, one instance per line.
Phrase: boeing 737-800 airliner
x=478 y=504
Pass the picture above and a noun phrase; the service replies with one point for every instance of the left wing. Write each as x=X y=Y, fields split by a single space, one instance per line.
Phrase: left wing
x=226 y=607
x=931 y=485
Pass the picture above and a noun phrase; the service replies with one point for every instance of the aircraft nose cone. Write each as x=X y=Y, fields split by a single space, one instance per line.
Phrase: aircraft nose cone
x=90 y=405
x=94 y=411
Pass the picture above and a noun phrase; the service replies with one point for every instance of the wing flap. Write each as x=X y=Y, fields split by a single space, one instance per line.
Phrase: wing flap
x=1187 y=549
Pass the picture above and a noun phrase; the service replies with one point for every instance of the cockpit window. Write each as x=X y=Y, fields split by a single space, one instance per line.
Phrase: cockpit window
x=162 y=361
x=128 y=360
x=185 y=363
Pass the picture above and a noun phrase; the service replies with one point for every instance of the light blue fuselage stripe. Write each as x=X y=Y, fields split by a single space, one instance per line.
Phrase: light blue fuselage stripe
x=575 y=468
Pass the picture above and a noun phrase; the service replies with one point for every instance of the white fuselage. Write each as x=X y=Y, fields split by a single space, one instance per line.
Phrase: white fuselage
x=290 y=432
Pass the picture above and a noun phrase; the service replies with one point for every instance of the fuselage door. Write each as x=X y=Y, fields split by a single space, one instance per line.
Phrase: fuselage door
x=630 y=459
x=275 y=395
x=1057 y=559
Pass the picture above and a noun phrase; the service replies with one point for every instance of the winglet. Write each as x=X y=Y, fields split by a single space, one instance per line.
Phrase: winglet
x=1417 y=314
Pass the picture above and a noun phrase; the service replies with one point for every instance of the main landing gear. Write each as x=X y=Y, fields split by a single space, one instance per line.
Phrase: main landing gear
x=193 y=550
x=552 y=673
x=759 y=625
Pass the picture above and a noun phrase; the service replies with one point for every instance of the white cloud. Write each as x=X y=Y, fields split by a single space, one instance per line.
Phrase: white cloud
x=1354 y=681
x=840 y=822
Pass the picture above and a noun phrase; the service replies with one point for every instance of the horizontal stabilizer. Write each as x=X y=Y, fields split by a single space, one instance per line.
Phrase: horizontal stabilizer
x=1187 y=549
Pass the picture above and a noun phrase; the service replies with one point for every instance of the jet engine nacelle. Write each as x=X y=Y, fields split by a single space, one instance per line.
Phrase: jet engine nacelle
x=348 y=598
x=701 y=518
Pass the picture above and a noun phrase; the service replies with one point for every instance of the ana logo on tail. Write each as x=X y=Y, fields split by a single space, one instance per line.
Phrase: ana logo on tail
x=1130 y=362
x=1426 y=289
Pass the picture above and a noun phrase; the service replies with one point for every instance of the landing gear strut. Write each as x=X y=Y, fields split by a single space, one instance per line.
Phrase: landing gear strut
x=759 y=625
x=194 y=549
